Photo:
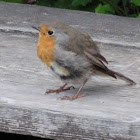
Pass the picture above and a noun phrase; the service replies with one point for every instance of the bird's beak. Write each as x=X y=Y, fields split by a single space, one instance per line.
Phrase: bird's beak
x=37 y=28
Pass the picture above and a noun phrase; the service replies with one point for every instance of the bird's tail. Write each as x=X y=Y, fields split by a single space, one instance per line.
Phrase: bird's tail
x=122 y=77
x=105 y=71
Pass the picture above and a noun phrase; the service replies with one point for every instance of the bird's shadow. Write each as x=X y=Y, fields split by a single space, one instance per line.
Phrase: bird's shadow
x=102 y=89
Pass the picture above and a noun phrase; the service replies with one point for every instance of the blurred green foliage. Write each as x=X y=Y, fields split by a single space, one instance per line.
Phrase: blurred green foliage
x=15 y=1
x=129 y=8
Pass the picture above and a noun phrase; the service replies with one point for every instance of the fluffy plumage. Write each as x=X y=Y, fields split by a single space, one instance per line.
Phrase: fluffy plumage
x=73 y=56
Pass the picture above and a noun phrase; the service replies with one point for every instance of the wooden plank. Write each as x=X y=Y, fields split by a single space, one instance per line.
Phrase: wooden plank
x=110 y=110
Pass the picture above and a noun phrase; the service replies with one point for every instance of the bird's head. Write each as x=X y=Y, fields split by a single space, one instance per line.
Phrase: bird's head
x=50 y=34
x=46 y=35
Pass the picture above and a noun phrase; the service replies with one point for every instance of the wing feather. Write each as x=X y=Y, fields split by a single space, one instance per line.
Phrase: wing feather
x=96 y=58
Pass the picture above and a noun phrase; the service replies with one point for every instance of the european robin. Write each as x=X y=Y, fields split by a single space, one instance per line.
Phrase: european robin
x=72 y=56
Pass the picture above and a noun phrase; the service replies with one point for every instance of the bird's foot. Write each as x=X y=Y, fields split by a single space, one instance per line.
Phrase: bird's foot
x=71 y=98
x=61 y=89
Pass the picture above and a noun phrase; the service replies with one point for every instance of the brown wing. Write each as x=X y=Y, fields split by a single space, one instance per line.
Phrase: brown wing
x=95 y=57
x=98 y=62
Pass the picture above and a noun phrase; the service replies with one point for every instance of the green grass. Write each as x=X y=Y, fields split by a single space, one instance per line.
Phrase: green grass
x=129 y=8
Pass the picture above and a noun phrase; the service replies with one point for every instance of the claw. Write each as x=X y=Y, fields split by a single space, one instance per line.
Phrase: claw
x=61 y=89
x=76 y=96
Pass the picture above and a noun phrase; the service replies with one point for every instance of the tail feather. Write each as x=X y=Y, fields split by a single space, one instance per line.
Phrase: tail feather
x=122 y=77
x=105 y=71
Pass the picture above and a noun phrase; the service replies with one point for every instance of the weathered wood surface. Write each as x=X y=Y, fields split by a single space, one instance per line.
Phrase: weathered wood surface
x=112 y=109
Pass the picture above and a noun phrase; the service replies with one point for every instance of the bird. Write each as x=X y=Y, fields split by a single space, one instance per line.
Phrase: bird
x=72 y=56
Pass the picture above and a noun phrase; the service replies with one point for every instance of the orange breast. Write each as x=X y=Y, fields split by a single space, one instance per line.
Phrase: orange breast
x=45 y=49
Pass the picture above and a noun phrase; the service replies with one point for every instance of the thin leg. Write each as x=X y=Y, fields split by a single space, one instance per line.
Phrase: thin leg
x=77 y=95
x=61 y=89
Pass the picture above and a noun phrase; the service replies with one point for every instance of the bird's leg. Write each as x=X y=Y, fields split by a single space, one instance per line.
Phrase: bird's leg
x=77 y=95
x=61 y=89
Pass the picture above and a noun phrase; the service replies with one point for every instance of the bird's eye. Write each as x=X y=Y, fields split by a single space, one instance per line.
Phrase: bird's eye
x=50 y=32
